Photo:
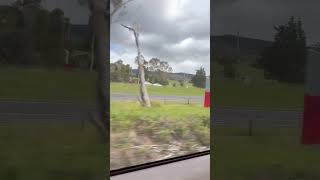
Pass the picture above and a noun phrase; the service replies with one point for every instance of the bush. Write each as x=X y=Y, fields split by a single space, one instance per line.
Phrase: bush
x=181 y=82
x=229 y=71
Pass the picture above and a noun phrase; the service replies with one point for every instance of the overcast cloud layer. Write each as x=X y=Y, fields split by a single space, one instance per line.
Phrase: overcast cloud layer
x=256 y=18
x=176 y=31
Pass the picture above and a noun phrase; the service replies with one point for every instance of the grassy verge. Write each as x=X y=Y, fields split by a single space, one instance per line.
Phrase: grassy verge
x=268 y=154
x=140 y=135
x=51 y=151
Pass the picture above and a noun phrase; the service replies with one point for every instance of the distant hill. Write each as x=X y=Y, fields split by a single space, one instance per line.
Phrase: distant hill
x=227 y=44
x=134 y=72
x=181 y=76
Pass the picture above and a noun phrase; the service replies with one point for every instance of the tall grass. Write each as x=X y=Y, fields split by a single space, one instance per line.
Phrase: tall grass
x=34 y=151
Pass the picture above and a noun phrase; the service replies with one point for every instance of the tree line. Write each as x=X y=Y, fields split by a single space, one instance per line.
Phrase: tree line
x=157 y=71
x=284 y=60
x=32 y=35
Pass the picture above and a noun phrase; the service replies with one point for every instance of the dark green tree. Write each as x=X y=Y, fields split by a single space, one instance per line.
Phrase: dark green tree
x=228 y=64
x=316 y=46
x=199 y=80
x=181 y=82
x=229 y=71
x=285 y=59
x=11 y=35
x=157 y=71
x=120 y=72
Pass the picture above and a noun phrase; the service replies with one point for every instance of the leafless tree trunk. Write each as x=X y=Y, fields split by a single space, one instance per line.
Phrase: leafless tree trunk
x=101 y=27
x=144 y=96
x=92 y=52
x=67 y=56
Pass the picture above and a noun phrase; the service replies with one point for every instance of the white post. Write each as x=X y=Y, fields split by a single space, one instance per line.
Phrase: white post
x=67 y=56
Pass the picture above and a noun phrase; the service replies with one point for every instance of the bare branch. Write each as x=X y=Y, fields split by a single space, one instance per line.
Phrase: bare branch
x=130 y=28
x=119 y=6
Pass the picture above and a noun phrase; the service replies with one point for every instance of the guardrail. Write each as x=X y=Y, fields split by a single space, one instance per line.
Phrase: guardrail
x=238 y=118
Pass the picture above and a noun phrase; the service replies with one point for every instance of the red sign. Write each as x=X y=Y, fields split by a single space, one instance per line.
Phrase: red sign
x=311 y=116
x=311 y=120
x=207 y=93
x=207 y=99
x=67 y=67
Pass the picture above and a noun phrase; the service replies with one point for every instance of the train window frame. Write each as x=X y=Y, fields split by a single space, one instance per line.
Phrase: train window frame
x=152 y=164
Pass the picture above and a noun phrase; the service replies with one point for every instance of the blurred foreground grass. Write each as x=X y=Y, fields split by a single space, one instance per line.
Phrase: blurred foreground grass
x=51 y=151
x=269 y=154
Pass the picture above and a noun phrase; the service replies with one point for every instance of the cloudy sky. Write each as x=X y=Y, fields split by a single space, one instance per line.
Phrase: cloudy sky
x=176 y=31
x=256 y=18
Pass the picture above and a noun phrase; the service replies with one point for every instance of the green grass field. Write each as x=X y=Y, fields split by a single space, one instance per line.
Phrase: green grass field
x=135 y=130
x=47 y=85
x=268 y=154
x=265 y=96
x=262 y=93
x=153 y=90
x=51 y=151
x=79 y=86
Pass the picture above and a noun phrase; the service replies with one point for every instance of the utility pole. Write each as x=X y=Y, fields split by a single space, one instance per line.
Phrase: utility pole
x=238 y=47
x=184 y=80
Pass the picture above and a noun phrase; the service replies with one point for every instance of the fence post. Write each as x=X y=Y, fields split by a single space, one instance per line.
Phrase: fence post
x=250 y=127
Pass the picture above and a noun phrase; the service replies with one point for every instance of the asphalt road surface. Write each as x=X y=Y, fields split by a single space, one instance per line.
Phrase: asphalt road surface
x=66 y=112
x=27 y=111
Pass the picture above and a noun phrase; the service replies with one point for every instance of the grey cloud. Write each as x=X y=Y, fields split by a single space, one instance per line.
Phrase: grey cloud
x=160 y=36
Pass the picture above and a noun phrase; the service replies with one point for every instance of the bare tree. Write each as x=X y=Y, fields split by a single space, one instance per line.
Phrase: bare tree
x=144 y=96
x=100 y=27
x=116 y=5
x=92 y=52
x=100 y=24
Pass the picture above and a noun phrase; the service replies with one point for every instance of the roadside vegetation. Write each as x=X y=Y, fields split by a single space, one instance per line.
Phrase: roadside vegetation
x=140 y=135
